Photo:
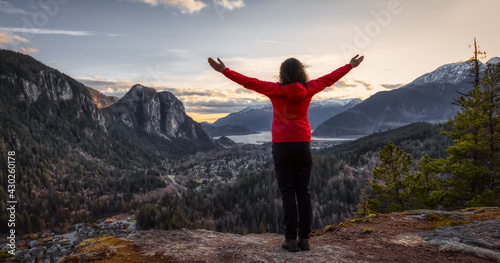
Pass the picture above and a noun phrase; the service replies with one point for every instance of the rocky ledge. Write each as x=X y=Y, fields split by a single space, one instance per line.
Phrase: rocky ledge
x=470 y=235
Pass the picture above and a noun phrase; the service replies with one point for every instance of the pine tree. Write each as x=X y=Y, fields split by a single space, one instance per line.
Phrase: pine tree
x=491 y=86
x=424 y=185
x=473 y=62
x=395 y=166
x=366 y=206
x=474 y=159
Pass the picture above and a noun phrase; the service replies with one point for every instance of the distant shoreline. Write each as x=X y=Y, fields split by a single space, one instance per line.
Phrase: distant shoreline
x=266 y=137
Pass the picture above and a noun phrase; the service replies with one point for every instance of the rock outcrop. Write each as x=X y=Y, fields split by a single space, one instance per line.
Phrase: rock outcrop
x=410 y=237
x=145 y=110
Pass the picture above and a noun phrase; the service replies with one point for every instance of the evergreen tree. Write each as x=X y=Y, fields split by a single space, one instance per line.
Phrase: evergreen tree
x=474 y=159
x=473 y=62
x=395 y=166
x=424 y=185
x=366 y=206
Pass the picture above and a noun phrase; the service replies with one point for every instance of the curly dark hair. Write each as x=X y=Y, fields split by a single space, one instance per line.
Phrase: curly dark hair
x=292 y=71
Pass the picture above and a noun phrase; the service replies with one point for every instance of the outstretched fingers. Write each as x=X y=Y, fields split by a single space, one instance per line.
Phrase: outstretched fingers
x=356 y=60
x=216 y=66
x=212 y=62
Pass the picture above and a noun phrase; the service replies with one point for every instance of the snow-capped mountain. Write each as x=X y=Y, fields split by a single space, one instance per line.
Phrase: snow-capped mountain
x=451 y=73
x=428 y=98
x=266 y=107
x=333 y=102
x=259 y=117
x=494 y=60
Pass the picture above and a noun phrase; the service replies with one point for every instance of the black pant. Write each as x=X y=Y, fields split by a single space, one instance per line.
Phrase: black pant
x=293 y=162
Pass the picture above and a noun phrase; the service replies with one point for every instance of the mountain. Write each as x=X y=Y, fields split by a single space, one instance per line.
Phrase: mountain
x=428 y=98
x=226 y=130
x=101 y=100
x=144 y=110
x=44 y=95
x=224 y=141
x=452 y=73
x=75 y=161
x=407 y=137
x=256 y=118
x=320 y=111
x=260 y=117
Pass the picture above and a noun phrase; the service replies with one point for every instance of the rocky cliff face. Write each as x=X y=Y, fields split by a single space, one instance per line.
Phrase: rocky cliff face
x=31 y=84
x=146 y=110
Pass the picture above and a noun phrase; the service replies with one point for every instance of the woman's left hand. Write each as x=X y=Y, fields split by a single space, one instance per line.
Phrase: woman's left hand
x=217 y=66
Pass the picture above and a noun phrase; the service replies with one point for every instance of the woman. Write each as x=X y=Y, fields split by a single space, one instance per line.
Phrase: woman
x=291 y=137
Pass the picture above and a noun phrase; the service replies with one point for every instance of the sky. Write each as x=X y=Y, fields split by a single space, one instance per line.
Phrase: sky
x=110 y=45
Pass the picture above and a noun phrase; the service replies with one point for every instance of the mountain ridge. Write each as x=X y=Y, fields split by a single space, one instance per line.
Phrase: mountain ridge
x=101 y=100
x=259 y=117
x=429 y=98
x=73 y=156
x=451 y=72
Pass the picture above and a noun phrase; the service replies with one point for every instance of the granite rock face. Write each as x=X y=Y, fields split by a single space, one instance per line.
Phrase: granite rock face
x=144 y=109
x=55 y=94
x=46 y=82
x=482 y=238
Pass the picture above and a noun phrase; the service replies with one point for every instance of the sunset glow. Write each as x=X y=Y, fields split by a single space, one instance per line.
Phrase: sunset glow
x=112 y=45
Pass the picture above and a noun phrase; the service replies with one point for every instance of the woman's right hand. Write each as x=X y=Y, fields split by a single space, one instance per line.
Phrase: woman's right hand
x=356 y=60
x=216 y=66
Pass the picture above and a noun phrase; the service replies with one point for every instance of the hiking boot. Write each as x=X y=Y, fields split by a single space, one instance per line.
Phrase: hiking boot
x=290 y=245
x=303 y=244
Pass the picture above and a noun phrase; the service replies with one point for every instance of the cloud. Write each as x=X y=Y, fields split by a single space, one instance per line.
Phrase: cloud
x=215 y=101
x=31 y=30
x=244 y=91
x=220 y=106
x=209 y=101
x=9 y=9
x=58 y=64
x=391 y=86
x=9 y=39
x=230 y=5
x=274 y=42
x=343 y=84
x=368 y=86
x=189 y=92
x=6 y=39
x=28 y=50
x=47 y=31
x=116 y=88
x=186 y=6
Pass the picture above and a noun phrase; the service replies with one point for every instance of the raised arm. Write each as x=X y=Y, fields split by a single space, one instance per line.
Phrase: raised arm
x=319 y=84
x=263 y=87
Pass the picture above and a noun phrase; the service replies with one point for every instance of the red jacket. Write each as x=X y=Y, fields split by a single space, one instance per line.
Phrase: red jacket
x=290 y=102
